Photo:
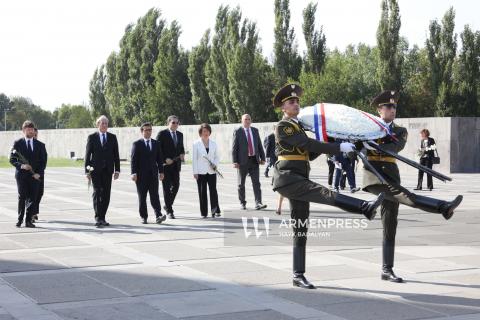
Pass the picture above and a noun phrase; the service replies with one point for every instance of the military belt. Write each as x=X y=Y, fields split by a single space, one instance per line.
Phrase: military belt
x=382 y=158
x=293 y=157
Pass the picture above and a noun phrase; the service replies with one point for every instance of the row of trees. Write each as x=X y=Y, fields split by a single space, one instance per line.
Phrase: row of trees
x=226 y=74
x=18 y=109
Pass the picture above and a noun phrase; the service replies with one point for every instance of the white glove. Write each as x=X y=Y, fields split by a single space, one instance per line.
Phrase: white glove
x=347 y=147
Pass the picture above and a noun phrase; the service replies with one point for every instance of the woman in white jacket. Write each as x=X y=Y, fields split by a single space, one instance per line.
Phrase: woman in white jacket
x=205 y=159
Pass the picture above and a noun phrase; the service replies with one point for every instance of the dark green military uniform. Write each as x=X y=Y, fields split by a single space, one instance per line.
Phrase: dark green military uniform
x=395 y=194
x=294 y=150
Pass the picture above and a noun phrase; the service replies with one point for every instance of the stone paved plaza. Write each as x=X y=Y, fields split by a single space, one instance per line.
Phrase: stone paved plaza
x=192 y=268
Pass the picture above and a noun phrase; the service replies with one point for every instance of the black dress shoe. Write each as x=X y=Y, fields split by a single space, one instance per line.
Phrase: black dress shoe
x=35 y=217
x=171 y=215
x=144 y=221
x=278 y=212
x=160 y=219
x=417 y=188
x=243 y=207
x=302 y=282
x=18 y=224
x=29 y=224
x=204 y=217
x=98 y=224
x=389 y=275
x=260 y=206
x=104 y=223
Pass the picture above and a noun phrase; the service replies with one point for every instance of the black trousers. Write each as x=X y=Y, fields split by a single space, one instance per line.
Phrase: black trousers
x=148 y=185
x=202 y=182
x=102 y=186
x=251 y=168
x=41 y=188
x=27 y=188
x=170 y=183
x=427 y=162
x=331 y=170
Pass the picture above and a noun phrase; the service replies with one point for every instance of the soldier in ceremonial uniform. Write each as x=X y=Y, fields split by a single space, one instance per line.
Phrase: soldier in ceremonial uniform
x=386 y=103
x=291 y=176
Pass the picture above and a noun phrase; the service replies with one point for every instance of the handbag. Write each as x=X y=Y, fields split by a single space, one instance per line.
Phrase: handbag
x=436 y=159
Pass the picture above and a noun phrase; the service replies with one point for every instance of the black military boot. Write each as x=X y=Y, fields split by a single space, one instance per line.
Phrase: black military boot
x=446 y=208
x=299 y=279
x=388 y=257
x=367 y=208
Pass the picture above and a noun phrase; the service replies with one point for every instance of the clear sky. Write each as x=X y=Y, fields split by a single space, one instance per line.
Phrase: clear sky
x=50 y=48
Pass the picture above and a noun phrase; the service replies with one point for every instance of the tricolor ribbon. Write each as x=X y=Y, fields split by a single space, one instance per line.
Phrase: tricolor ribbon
x=319 y=123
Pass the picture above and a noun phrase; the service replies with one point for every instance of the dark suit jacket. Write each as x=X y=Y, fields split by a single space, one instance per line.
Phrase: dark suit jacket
x=269 y=144
x=168 y=149
x=105 y=157
x=240 y=146
x=145 y=162
x=431 y=153
x=37 y=159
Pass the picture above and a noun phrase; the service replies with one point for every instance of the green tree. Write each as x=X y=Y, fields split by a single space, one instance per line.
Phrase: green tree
x=25 y=109
x=172 y=87
x=468 y=73
x=417 y=99
x=216 y=69
x=249 y=76
x=287 y=63
x=73 y=116
x=315 y=40
x=5 y=105
x=130 y=83
x=98 y=101
x=201 y=103
x=388 y=39
x=442 y=47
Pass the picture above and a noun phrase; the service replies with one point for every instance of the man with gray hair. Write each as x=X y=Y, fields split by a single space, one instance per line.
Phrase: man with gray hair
x=101 y=162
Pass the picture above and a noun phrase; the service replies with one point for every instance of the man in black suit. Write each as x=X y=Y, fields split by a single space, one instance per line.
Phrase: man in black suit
x=269 y=144
x=41 y=186
x=28 y=156
x=147 y=169
x=247 y=155
x=101 y=162
x=171 y=147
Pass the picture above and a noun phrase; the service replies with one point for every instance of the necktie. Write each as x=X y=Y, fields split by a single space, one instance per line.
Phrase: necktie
x=250 y=144
x=148 y=145
x=29 y=146
x=174 y=135
x=103 y=139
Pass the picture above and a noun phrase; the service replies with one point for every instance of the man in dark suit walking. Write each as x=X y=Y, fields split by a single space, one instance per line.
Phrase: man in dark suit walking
x=171 y=147
x=41 y=187
x=147 y=169
x=247 y=155
x=101 y=162
x=269 y=144
x=28 y=156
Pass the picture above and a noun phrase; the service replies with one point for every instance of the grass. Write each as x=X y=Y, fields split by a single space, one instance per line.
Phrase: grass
x=52 y=162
